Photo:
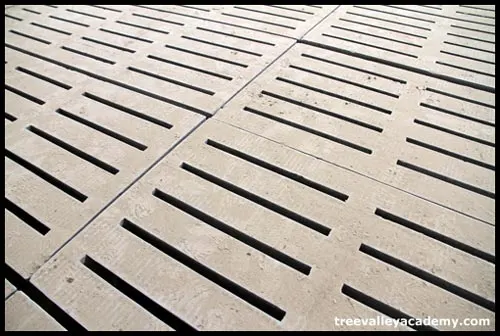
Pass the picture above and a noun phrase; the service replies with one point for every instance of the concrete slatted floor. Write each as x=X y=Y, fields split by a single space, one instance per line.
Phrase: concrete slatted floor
x=248 y=167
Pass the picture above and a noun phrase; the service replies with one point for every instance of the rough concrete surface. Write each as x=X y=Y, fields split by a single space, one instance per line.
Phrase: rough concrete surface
x=22 y=314
x=454 y=41
x=248 y=167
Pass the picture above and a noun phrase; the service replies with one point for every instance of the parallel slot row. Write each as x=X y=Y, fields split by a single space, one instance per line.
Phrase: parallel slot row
x=225 y=283
x=257 y=199
x=108 y=80
x=428 y=277
x=435 y=235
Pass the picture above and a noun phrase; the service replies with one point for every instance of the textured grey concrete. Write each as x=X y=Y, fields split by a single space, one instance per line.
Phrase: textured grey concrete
x=174 y=104
x=450 y=40
x=309 y=300
x=22 y=314
x=338 y=108
x=210 y=168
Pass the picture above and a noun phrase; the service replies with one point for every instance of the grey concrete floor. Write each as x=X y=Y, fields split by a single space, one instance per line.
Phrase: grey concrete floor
x=249 y=167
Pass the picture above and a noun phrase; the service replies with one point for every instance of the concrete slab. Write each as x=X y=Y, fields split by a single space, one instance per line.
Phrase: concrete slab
x=9 y=288
x=22 y=314
x=197 y=65
x=74 y=143
x=449 y=40
x=93 y=126
x=353 y=177
x=284 y=20
x=429 y=137
x=242 y=218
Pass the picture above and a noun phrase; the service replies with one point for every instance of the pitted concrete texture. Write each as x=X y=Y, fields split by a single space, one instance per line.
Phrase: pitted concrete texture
x=449 y=40
x=293 y=230
x=427 y=136
x=9 y=288
x=66 y=162
x=284 y=20
x=22 y=314
x=239 y=167
x=91 y=127
x=198 y=65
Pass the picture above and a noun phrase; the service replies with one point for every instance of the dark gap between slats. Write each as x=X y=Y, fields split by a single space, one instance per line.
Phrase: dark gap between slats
x=103 y=130
x=235 y=233
x=108 y=44
x=375 y=35
x=221 y=45
x=73 y=150
x=31 y=11
x=450 y=153
x=128 y=110
x=86 y=14
x=323 y=111
x=344 y=81
x=426 y=276
x=125 y=35
x=69 y=21
x=397 y=80
x=108 y=80
x=309 y=130
x=44 y=78
x=469 y=47
x=459 y=115
x=46 y=176
x=10 y=117
x=435 y=235
x=465 y=69
x=331 y=94
x=382 y=28
x=474 y=30
x=260 y=21
x=29 y=37
x=470 y=38
x=465 y=99
x=387 y=20
x=13 y=17
x=257 y=199
x=443 y=16
x=398 y=15
x=400 y=66
x=169 y=80
x=46 y=304
x=25 y=217
x=381 y=307
x=235 y=36
x=195 y=8
x=369 y=45
x=207 y=56
x=283 y=172
x=449 y=131
x=270 y=13
x=291 y=9
x=157 y=19
x=97 y=58
x=142 y=27
x=232 y=287
x=447 y=179
x=50 y=28
x=108 y=9
x=24 y=95
x=135 y=295
x=159 y=59
x=467 y=57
